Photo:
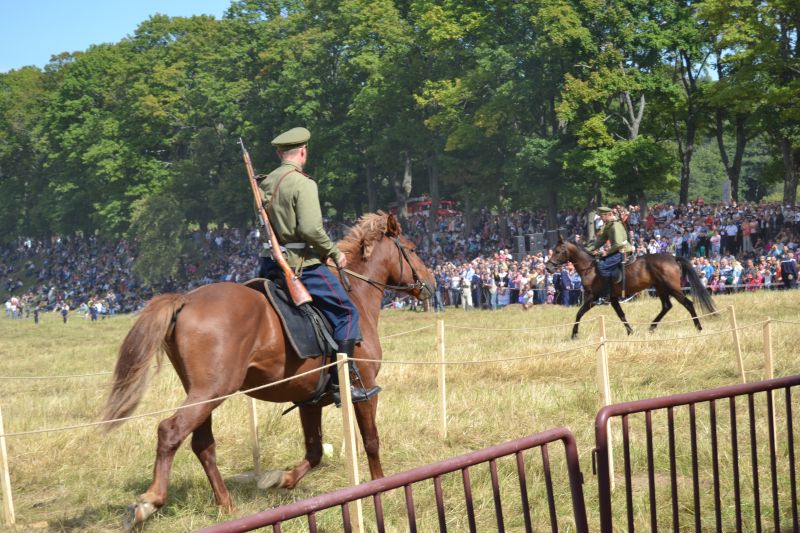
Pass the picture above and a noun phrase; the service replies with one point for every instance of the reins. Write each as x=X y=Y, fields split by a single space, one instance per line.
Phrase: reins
x=403 y=254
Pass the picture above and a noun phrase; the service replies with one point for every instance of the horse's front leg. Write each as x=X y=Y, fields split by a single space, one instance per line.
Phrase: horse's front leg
x=311 y=419
x=365 y=416
x=587 y=304
x=621 y=314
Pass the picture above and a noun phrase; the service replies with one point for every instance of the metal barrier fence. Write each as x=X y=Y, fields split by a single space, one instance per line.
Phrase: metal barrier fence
x=512 y=515
x=672 y=472
x=716 y=453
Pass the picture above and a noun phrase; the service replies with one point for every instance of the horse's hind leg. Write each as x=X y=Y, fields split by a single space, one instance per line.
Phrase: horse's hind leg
x=205 y=449
x=311 y=419
x=365 y=416
x=689 y=305
x=171 y=433
x=666 y=305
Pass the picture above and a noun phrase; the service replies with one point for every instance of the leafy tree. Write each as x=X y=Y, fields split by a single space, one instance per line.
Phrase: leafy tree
x=159 y=229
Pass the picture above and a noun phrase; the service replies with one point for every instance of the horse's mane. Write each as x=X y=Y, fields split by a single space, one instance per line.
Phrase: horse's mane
x=580 y=247
x=359 y=241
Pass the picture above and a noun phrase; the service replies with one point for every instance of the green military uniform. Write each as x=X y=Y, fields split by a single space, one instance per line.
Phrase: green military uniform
x=292 y=202
x=614 y=232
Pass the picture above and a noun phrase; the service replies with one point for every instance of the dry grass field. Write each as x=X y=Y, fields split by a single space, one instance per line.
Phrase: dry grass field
x=82 y=479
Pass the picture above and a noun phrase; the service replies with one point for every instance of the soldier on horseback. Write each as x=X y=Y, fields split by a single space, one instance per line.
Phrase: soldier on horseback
x=290 y=197
x=609 y=257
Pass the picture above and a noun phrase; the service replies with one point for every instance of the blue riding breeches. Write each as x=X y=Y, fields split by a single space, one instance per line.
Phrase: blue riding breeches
x=327 y=295
x=608 y=264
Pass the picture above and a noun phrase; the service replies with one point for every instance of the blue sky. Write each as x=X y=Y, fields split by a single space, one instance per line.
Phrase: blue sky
x=33 y=30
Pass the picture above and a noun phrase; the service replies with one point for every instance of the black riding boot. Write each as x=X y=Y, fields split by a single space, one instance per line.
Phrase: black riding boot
x=357 y=391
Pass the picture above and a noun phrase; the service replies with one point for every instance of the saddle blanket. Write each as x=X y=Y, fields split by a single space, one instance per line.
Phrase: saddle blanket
x=306 y=329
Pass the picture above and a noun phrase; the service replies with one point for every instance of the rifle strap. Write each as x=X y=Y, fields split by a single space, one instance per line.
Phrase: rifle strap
x=275 y=189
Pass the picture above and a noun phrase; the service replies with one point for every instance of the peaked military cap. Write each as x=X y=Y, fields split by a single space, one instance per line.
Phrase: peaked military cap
x=603 y=209
x=291 y=139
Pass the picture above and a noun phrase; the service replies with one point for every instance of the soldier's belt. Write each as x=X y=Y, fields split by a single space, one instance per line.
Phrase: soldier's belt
x=287 y=246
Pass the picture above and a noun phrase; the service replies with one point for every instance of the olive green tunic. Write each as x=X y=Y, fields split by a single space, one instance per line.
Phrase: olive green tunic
x=296 y=216
x=614 y=232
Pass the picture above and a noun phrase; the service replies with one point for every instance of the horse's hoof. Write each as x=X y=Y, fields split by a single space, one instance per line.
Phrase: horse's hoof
x=136 y=514
x=270 y=479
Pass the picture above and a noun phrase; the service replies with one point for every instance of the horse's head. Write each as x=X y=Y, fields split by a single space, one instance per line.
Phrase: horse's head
x=559 y=256
x=377 y=241
x=417 y=275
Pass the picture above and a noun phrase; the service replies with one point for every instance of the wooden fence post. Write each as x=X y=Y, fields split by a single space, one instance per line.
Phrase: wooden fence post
x=442 y=379
x=769 y=373
x=8 y=502
x=604 y=386
x=348 y=422
x=737 y=346
x=251 y=404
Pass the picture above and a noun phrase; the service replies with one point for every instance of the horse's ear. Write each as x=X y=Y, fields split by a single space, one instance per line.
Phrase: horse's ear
x=392 y=226
x=560 y=239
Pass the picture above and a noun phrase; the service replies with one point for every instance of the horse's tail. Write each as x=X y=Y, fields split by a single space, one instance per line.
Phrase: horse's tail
x=698 y=290
x=147 y=336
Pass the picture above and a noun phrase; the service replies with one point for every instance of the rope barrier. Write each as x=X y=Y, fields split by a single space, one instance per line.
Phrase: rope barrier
x=162 y=411
x=58 y=377
x=406 y=332
x=664 y=339
x=449 y=363
x=476 y=362
x=522 y=329
x=774 y=321
x=107 y=372
x=717 y=312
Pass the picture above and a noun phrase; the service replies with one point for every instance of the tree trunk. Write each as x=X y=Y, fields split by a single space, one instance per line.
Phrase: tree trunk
x=734 y=170
x=790 y=160
x=433 y=187
x=402 y=189
x=467 y=226
x=372 y=193
x=643 y=211
x=552 y=209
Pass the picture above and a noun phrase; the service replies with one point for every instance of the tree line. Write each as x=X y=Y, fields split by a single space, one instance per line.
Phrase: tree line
x=498 y=104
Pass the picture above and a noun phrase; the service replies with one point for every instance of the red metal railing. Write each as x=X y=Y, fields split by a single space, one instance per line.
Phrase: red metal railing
x=719 y=475
x=464 y=463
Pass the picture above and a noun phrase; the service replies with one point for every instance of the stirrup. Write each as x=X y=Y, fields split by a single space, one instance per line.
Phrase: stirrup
x=357 y=394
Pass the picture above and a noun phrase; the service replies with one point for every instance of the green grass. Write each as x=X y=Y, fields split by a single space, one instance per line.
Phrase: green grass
x=82 y=480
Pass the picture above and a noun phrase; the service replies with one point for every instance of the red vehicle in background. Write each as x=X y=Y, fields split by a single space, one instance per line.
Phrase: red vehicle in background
x=421 y=205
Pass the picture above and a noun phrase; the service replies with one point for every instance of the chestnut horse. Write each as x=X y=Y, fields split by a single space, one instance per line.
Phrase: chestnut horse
x=660 y=271
x=226 y=337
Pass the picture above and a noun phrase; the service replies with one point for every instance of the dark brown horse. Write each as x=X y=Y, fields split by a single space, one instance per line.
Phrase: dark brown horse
x=225 y=337
x=660 y=271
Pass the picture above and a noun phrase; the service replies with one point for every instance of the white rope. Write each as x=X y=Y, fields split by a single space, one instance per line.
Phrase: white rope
x=476 y=362
x=712 y=313
x=521 y=329
x=406 y=332
x=168 y=410
x=58 y=377
x=662 y=339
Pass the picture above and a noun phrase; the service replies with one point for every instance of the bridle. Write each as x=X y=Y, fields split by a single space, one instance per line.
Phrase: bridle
x=402 y=255
x=582 y=272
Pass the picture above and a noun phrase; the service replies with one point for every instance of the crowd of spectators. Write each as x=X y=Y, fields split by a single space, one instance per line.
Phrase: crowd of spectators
x=735 y=247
